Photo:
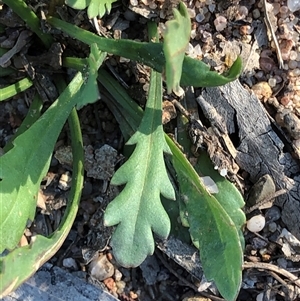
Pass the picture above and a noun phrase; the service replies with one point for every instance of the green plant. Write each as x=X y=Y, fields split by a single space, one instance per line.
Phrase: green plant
x=212 y=220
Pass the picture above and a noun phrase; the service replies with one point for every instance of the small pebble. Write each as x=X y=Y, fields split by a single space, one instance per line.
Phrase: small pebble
x=134 y=2
x=118 y=275
x=256 y=223
x=101 y=268
x=70 y=263
x=110 y=283
x=133 y=295
x=242 y=13
x=256 y=13
x=273 y=214
x=120 y=286
x=262 y=90
x=282 y=262
x=191 y=13
x=258 y=243
x=293 y=64
x=272 y=227
x=200 y=17
x=65 y=181
x=220 y=23
x=293 y=5
x=272 y=82
x=293 y=55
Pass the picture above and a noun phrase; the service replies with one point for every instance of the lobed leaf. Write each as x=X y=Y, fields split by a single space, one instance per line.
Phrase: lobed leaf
x=94 y=7
x=176 y=40
x=212 y=228
x=137 y=210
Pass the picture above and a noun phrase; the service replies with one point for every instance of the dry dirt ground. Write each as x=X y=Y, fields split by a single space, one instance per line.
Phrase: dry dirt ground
x=259 y=129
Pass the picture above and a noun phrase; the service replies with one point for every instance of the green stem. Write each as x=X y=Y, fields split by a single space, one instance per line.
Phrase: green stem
x=14 y=89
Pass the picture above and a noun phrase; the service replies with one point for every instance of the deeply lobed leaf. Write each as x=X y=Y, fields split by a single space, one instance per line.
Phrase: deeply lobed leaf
x=94 y=7
x=137 y=210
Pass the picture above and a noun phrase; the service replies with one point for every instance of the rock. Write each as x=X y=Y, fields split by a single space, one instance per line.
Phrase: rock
x=100 y=268
x=256 y=223
x=70 y=263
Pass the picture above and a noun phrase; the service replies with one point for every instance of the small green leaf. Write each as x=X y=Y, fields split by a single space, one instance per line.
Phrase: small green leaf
x=176 y=39
x=211 y=229
x=137 y=209
x=94 y=60
x=78 y=4
x=95 y=7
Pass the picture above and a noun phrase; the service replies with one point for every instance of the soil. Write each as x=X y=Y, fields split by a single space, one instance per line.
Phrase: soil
x=256 y=123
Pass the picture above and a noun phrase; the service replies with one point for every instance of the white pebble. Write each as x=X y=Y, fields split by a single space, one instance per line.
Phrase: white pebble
x=220 y=23
x=65 y=181
x=118 y=275
x=293 y=5
x=272 y=82
x=293 y=55
x=191 y=13
x=256 y=223
x=134 y=2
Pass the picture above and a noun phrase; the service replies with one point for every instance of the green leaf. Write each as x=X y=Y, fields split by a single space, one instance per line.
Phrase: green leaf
x=95 y=7
x=228 y=196
x=78 y=4
x=212 y=225
x=22 y=262
x=94 y=60
x=211 y=229
x=33 y=115
x=28 y=163
x=194 y=73
x=137 y=209
x=176 y=39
